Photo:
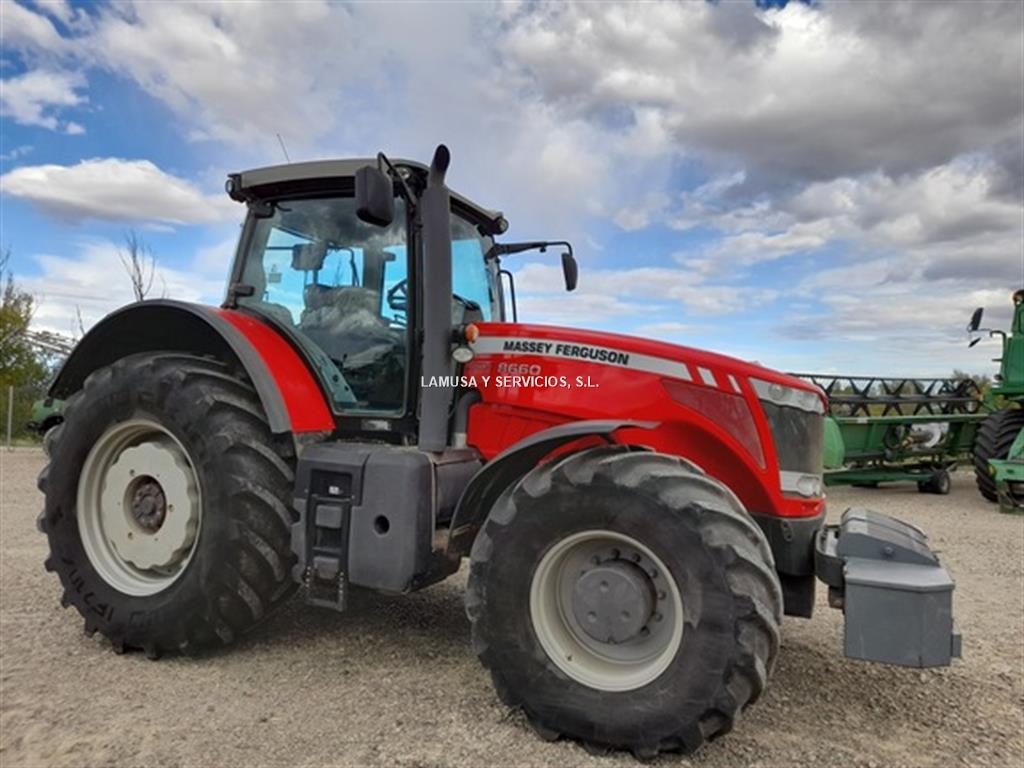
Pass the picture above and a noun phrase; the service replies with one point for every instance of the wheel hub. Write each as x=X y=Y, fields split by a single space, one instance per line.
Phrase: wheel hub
x=148 y=504
x=613 y=601
x=138 y=507
x=606 y=610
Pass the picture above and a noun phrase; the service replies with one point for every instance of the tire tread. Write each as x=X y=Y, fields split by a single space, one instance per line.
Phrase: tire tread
x=993 y=440
x=725 y=528
x=223 y=411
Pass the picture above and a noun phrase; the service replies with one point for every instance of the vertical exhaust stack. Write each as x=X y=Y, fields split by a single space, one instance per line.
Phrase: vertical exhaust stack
x=436 y=279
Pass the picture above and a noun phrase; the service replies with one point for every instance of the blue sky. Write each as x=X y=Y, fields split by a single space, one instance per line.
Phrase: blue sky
x=830 y=187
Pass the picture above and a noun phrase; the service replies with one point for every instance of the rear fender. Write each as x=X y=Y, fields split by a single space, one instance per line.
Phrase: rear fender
x=290 y=395
x=504 y=469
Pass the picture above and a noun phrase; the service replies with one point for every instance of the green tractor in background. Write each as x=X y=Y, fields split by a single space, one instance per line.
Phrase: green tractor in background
x=47 y=413
x=999 y=444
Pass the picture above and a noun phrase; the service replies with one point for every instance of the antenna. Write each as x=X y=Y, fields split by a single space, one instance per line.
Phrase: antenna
x=283 y=148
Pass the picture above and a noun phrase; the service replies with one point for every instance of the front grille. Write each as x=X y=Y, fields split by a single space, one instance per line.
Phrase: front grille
x=799 y=438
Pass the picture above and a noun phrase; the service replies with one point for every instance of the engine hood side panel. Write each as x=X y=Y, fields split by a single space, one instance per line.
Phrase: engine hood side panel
x=531 y=377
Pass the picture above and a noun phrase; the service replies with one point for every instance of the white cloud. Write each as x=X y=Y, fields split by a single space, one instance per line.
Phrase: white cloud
x=115 y=190
x=94 y=281
x=642 y=291
x=21 y=29
x=800 y=93
x=61 y=10
x=753 y=246
x=33 y=97
x=953 y=220
x=876 y=146
x=16 y=153
x=666 y=329
x=238 y=71
x=897 y=327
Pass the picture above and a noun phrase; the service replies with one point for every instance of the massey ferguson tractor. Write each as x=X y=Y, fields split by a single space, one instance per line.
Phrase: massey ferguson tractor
x=360 y=413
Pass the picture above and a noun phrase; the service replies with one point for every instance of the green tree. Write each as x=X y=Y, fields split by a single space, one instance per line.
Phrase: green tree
x=20 y=365
x=983 y=381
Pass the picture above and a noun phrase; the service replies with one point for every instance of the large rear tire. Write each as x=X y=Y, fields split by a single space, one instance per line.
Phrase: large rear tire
x=605 y=533
x=168 y=505
x=995 y=436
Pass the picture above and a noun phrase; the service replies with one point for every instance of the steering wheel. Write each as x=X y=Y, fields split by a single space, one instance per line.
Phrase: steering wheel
x=398 y=295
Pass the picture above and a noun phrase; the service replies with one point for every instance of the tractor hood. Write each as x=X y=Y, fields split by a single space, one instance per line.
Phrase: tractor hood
x=758 y=430
x=672 y=361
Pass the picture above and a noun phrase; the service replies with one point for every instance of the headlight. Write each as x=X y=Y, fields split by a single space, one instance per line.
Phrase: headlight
x=796 y=419
x=792 y=397
x=801 y=483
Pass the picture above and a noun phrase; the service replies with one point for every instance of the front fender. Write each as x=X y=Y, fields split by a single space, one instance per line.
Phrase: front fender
x=515 y=461
x=291 y=397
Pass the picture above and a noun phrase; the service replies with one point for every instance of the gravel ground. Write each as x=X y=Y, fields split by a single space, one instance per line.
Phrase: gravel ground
x=394 y=682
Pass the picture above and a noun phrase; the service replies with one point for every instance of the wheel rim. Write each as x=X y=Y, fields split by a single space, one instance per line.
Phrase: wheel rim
x=138 y=507
x=606 y=610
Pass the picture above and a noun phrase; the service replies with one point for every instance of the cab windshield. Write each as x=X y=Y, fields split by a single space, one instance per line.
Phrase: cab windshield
x=339 y=286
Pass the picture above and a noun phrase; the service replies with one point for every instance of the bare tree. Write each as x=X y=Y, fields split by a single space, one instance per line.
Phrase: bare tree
x=139 y=262
x=80 y=330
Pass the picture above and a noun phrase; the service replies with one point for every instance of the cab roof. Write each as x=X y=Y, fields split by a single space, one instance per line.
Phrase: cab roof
x=273 y=180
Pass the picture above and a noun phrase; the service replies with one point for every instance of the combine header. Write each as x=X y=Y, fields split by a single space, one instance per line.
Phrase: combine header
x=881 y=430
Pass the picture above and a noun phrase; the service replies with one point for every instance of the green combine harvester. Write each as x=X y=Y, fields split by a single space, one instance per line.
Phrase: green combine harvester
x=999 y=447
x=886 y=430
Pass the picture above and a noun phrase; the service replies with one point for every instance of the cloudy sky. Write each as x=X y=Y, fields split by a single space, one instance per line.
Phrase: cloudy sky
x=830 y=187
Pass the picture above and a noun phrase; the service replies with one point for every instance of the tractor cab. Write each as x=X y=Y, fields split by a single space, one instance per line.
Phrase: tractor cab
x=334 y=255
x=339 y=287
x=1010 y=379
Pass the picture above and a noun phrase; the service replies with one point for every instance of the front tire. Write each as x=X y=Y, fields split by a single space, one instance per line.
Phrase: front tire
x=995 y=436
x=167 y=505
x=655 y=525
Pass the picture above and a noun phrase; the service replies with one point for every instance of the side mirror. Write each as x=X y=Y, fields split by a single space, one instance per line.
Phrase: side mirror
x=975 y=319
x=571 y=270
x=375 y=196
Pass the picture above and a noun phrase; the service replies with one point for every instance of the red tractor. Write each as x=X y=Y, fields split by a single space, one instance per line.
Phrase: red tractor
x=360 y=413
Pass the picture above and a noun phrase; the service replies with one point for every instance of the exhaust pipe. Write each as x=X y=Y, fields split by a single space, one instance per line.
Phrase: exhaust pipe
x=436 y=278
